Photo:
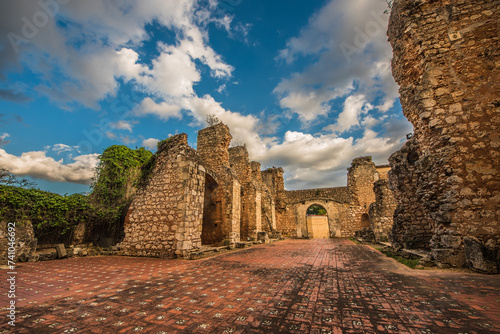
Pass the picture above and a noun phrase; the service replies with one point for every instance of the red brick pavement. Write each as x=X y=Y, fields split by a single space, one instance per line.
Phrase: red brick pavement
x=293 y=286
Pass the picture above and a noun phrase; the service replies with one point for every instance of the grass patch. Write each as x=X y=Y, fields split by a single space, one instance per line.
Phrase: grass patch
x=354 y=240
x=411 y=263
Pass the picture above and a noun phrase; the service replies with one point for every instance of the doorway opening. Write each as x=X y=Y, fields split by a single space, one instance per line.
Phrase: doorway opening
x=212 y=213
x=365 y=220
x=317 y=222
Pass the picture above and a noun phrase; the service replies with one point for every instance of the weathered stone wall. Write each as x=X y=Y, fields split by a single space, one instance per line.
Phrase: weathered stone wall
x=251 y=189
x=213 y=146
x=412 y=225
x=446 y=62
x=186 y=205
x=339 y=194
x=25 y=244
x=381 y=212
x=347 y=207
x=360 y=179
x=213 y=149
x=239 y=162
x=165 y=217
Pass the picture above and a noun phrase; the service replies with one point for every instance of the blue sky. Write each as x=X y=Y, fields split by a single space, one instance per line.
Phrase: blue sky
x=305 y=85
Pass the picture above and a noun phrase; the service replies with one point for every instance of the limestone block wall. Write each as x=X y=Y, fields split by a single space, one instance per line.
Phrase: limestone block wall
x=412 y=225
x=213 y=146
x=250 y=220
x=25 y=245
x=165 y=217
x=232 y=210
x=239 y=162
x=446 y=62
x=360 y=179
x=338 y=194
x=381 y=212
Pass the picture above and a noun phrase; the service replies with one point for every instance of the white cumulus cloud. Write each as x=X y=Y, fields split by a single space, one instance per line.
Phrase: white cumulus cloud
x=150 y=143
x=38 y=165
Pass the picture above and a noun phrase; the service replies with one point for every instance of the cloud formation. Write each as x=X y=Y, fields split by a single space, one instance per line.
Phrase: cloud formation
x=347 y=39
x=38 y=165
x=150 y=143
x=318 y=161
x=85 y=51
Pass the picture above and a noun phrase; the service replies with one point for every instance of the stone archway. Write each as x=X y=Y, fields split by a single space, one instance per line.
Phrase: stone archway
x=317 y=222
x=332 y=210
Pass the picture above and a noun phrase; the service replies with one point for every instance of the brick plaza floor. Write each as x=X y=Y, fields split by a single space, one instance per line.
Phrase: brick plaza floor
x=292 y=286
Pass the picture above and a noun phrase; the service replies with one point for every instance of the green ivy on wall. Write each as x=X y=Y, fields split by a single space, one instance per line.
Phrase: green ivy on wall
x=54 y=217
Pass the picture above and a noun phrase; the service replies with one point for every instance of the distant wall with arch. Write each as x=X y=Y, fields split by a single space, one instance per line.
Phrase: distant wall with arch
x=343 y=218
x=347 y=207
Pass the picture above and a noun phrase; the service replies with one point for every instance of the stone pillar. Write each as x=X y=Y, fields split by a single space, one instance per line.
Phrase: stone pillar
x=213 y=146
x=446 y=61
x=382 y=211
x=360 y=181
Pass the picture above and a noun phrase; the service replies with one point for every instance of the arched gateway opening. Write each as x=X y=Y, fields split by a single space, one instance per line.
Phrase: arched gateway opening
x=317 y=222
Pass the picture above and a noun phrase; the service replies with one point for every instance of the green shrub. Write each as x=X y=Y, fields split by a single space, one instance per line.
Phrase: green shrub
x=53 y=216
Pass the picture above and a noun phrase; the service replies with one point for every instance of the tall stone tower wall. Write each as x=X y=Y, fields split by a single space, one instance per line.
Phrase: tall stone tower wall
x=360 y=179
x=447 y=64
x=213 y=146
x=165 y=216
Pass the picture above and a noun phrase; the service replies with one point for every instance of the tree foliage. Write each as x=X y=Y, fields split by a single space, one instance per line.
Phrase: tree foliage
x=316 y=210
x=52 y=215
x=212 y=120
x=9 y=179
x=115 y=173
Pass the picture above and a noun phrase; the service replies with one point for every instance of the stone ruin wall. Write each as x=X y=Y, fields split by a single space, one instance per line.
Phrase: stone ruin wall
x=213 y=149
x=382 y=210
x=251 y=191
x=446 y=179
x=25 y=244
x=163 y=219
x=413 y=227
x=347 y=207
x=360 y=179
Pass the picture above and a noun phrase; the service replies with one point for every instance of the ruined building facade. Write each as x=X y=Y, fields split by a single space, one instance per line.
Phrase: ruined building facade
x=446 y=179
x=216 y=195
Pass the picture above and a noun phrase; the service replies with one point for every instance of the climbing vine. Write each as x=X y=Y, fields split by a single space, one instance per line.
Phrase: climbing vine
x=55 y=217
x=115 y=173
x=48 y=212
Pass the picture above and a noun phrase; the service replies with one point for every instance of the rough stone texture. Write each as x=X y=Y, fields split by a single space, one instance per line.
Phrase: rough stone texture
x=61 y=251
x=480 y=257
x=412 y=226
x=250 y=191
x=347 y=207
x=381 y=212
x=165 y=216
x=25 y=242
x=217 y=196
x=360 y=179
x=446 y=62
x=213 y=146
x=365 y=235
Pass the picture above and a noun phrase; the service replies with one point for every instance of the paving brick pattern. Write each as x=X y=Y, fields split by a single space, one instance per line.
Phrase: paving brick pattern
x=293 y=286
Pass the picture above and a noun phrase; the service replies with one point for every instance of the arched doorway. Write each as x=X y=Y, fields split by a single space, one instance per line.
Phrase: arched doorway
x=317 y=222
x=365 y=220
x=211 y=231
